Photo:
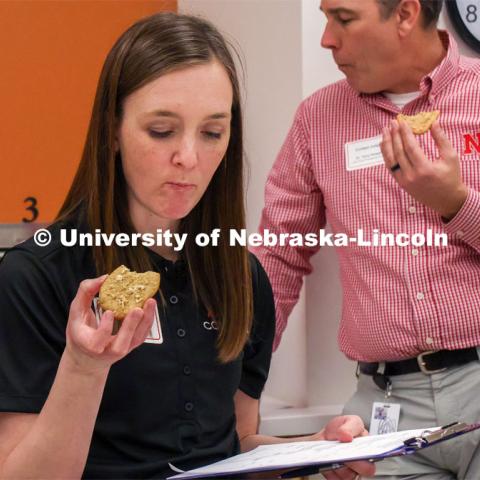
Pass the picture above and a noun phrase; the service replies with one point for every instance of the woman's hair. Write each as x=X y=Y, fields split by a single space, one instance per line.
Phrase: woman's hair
x=220 y=275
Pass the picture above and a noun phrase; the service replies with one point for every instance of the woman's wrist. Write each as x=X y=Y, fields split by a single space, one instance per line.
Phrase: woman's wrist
x=78 y=364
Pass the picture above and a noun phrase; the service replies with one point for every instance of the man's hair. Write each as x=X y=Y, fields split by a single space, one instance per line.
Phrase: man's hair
x=430 y=10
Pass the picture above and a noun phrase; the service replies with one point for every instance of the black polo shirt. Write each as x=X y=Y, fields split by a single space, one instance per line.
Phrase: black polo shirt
x=169 y=402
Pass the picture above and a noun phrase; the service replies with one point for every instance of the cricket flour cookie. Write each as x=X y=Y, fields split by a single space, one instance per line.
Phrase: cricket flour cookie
x=421 y=122
x=124 y=290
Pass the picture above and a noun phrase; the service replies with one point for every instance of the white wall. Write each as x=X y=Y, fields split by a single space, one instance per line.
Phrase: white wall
x=323 y=290
x=445 y=23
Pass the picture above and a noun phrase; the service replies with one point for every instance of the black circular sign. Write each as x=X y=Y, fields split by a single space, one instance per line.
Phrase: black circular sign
x=465 y=15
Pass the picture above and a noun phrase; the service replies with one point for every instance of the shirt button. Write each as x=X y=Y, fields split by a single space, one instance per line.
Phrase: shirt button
x=420 y=296
x=429 y=340
x=414 y=252
x=188 y=406
x=187 y=370
x=173 y=299
x=181 y=332
x=460 y=233
x=412 y=209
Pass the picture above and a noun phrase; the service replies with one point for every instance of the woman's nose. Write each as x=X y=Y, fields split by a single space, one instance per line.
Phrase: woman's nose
x=186 y=155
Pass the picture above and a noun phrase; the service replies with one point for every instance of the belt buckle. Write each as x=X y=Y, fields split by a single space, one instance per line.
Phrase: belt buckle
x=421 y=364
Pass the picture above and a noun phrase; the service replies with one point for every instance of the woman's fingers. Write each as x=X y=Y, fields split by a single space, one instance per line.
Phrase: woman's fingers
x=145 y=325
x=120 y=344
x=344 y=428
x=101 y=336
x=84 y=297
x=98 y=341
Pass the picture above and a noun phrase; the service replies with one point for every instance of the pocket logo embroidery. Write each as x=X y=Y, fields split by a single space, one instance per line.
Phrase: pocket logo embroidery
x=471 y=143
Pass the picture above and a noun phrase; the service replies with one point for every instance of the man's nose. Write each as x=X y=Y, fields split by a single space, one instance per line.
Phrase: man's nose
x=329 y=39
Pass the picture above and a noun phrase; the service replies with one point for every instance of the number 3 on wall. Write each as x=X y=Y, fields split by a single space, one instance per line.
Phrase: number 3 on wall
x=31 y=208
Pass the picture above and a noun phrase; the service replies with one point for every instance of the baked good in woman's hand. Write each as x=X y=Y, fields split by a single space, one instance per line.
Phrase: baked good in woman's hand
x=124 y=290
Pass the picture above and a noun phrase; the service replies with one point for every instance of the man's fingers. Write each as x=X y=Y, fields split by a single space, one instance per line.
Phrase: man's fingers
x=362 y=467
x=351 y=471
x=398 y=148
x=386 y=147
x=335 y=475
x=445 y=148
x=412 y=149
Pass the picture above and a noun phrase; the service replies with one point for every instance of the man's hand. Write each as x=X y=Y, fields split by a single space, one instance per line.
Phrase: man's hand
x=437 y=184
x=344 y=429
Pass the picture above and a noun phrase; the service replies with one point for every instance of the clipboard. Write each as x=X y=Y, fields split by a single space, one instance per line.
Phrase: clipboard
x=271 y=461
x=411 y=445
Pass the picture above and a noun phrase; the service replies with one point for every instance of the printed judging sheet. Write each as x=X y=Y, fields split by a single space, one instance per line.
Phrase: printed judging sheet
x=301 y=454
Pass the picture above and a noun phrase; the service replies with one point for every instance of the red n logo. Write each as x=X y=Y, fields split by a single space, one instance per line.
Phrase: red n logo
x=470 y=142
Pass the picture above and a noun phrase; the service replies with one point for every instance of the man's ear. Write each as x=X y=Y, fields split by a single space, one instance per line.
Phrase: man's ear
x=408 y=14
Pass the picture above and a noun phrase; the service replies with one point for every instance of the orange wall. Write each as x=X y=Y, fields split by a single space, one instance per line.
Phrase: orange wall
x=50 y=60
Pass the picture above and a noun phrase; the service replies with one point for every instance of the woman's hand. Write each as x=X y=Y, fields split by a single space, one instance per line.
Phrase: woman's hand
x=93 y=348
x=344 y=429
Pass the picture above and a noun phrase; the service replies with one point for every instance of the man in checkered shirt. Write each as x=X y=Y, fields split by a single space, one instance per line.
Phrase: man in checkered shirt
x=400 y=303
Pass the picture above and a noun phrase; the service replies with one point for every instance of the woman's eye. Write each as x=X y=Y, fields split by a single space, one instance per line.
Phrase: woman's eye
x=213 y=135
x=160 y=134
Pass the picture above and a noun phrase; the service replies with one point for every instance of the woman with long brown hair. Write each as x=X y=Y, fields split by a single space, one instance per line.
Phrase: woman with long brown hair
x=179 y=383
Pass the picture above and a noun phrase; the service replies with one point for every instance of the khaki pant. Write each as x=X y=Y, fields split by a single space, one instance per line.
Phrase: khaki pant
x=427 y=401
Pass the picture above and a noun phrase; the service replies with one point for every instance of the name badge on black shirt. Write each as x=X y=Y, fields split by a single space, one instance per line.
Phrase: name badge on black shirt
x=155 y=334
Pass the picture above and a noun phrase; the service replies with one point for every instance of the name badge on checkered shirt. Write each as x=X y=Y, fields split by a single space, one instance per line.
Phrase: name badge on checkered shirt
x=363 y=153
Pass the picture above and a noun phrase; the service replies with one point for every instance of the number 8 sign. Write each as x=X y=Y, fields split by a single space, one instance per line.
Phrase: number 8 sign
x=465 y=15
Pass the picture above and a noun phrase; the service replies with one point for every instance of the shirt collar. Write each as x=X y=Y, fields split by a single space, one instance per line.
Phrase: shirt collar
x=444 y=73
x=432 y=83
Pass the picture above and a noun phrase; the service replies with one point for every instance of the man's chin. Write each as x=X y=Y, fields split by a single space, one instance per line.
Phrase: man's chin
x=361 y=88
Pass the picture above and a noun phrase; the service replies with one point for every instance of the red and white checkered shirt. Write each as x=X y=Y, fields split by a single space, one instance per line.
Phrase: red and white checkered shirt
x=397 y=301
